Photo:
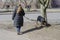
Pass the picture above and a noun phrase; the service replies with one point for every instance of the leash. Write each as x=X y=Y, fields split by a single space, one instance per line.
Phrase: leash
x=30 y=19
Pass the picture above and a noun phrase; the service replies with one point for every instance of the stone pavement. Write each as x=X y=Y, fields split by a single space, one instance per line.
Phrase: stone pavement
x=8 y=32
x=7 y=35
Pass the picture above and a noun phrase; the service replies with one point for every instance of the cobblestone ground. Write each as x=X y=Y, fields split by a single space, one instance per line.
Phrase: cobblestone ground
x=8 y=32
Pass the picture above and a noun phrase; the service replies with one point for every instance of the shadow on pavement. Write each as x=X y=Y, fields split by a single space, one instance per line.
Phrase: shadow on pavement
x=48 y=25
x=33 y=29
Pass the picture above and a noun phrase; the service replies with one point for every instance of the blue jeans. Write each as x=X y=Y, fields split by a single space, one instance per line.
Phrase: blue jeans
x=18 y=29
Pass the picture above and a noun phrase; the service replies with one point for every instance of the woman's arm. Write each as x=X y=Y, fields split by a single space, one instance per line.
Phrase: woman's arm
x=14 y=14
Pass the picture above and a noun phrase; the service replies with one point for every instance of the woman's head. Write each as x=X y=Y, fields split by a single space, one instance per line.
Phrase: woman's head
x=19 y=5
x=19 y=8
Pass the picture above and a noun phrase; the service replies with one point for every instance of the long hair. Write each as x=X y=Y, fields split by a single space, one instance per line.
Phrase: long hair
x=19 y=8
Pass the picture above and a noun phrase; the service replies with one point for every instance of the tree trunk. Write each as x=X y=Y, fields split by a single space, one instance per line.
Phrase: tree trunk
x=44 y=15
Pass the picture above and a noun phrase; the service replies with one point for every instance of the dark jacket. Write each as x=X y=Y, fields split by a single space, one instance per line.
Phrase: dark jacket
x=18 y=17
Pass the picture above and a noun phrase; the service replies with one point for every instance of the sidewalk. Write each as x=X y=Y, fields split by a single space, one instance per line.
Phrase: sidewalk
x=7 y=35
x=30 y=32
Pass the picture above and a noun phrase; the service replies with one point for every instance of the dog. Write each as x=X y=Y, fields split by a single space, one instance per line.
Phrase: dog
x=39 y=22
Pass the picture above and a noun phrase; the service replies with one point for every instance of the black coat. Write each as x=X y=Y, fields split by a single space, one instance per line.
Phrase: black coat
x=18 y=17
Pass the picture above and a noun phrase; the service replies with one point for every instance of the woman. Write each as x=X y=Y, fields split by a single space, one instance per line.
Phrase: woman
x=18 y=18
